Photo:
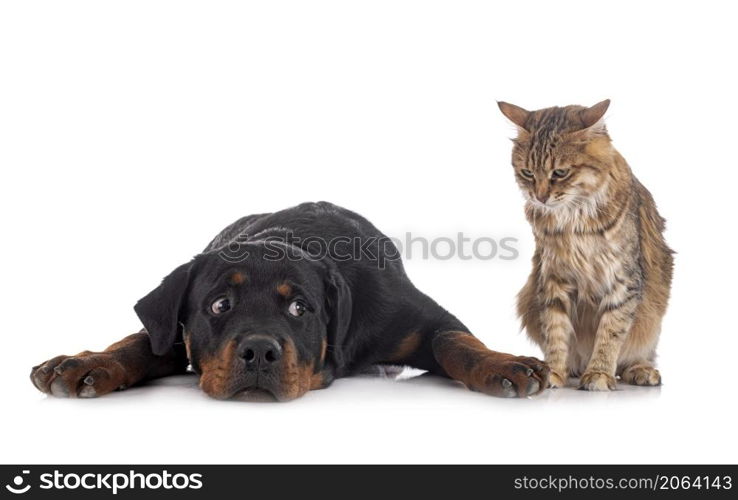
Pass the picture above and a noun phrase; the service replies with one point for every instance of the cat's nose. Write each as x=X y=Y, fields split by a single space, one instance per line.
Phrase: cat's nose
x=543 y=198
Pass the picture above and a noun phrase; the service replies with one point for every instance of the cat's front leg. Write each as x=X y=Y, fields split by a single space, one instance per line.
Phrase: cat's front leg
x=615 y=324
x=556 y=328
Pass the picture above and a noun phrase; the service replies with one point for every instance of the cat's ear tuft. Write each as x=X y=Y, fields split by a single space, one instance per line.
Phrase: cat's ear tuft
x=514 y=113
x=592 y=115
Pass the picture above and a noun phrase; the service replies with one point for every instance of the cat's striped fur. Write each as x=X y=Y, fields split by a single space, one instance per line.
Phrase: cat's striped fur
x=601 y=270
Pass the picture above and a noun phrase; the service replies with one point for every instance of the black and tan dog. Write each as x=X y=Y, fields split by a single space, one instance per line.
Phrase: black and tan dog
x=282 y=303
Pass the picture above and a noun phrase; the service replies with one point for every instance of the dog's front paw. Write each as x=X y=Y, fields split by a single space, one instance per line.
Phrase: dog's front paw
x=86 y=375
x=514 y=376
x=597 y=381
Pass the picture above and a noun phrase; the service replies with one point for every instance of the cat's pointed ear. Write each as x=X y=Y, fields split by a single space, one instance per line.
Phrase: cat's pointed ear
x=514 y=113
x=592 y=115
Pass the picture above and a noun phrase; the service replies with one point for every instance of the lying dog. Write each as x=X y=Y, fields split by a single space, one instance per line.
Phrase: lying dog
x=282 y=303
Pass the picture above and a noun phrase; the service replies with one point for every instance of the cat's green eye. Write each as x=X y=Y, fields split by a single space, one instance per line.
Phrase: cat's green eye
x=560 y=173
x=526 y=173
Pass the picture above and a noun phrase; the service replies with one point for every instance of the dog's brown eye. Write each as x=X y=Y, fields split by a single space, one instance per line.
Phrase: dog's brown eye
x=560 y=173
x=221 y=305
x=526 y=173
x=297 y=308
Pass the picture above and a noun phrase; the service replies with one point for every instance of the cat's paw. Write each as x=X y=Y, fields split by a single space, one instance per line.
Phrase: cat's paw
x=597 y=381
x=555 y=380
x=641 y=375
x=86 y=375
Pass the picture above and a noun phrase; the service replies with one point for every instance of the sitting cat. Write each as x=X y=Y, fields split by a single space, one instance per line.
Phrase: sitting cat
x=601 y=270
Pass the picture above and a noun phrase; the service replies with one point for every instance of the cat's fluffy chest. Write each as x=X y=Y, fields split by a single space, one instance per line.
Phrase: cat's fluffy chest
x=591 y=263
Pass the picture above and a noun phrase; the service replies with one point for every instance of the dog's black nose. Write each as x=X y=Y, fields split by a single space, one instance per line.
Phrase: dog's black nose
x=260 y=350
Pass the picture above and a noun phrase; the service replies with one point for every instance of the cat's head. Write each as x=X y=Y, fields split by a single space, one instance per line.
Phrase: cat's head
x=561 y=156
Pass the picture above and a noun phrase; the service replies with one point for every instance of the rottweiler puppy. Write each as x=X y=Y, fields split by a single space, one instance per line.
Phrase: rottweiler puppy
x=282 y=303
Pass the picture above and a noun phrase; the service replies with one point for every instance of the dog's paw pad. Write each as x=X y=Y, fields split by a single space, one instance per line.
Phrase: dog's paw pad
x=86 y=375
x=515 y=377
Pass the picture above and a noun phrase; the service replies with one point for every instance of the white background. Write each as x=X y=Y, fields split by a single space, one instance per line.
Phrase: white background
x=132 y=132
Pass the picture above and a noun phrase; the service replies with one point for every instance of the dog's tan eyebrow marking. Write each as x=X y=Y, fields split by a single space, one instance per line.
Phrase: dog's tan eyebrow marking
x=284 y=289
x=237 y=278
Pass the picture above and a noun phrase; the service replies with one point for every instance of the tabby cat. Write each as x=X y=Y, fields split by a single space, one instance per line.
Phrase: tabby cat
x=601 y=270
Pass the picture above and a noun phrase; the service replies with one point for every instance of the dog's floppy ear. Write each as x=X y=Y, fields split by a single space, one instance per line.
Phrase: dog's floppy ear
x=159 y=311
x=338 y=306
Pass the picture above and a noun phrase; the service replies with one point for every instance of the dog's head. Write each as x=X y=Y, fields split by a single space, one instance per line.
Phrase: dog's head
x=261 y=327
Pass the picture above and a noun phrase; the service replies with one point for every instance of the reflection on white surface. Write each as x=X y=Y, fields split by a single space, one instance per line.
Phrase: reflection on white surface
x=404 y=386
x=374 y=419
